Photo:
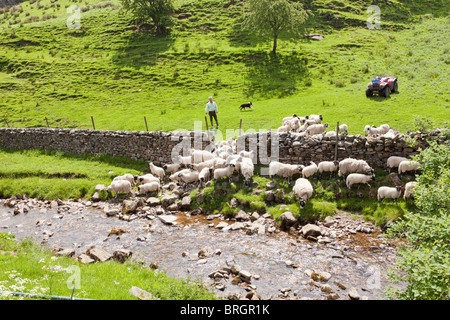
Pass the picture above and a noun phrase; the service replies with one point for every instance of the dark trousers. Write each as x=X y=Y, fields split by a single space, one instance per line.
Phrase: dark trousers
x=211 y=115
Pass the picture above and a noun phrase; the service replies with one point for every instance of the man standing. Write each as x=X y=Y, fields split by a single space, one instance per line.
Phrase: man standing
x=211 y=108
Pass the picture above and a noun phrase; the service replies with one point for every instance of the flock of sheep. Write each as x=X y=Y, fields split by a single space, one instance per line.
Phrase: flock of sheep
x=224 y=161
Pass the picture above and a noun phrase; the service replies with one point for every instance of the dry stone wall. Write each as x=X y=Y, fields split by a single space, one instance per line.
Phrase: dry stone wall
x=160 y=147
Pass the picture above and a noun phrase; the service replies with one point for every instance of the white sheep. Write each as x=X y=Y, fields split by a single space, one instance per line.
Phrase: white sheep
x=330 y=134
x=309 y=170
x=127 y=177
x=303 y=127
x=205 y=164
x=149 y=187
x=358 y=178
x=390 y=134
x=172 y=168
x=327 y=166
x=408 y=165
x=390 y=193
x=317 y=117
x=373 y=130
x=303 y=191
x=409 y=190
x=183 y=160
x=188 y=177
x=283 y=170
x=394 y=161
x=176 y=176
x=119 y=186
x=246 y=168
x=157 y=171
x=205 y=174
x=246 y=154
x=286 y=119
x=146 y=178
x=201 y=155
x=226 y=172
x=350 y=165
x=316 y=129
x=342 y=128
x=284 y=128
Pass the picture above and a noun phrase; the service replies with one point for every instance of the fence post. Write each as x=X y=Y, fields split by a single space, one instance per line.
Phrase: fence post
x=337 y=141
x=240 y=127
x=7 y=123
x=93 y=125
x=146 y=126
x=207 y=128
x=46 y=120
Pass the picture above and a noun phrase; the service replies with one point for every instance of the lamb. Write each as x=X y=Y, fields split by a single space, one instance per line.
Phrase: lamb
x=226 y=172
x=342 y=128
x=172 y=168
x=394 y=161
x=119 y=186
x=408 y=165
x=283 y=170
x=127 y=177
x=149 y=187
x=309 y=170
x=409 y=190
x=359 y=178
x=350 y=165
x=303 y=191
x=388 y=192
x=316 y=129
x=246 y=168
x=188 y=177
x=327 y=166
x=205 y=174
x=157 y=171
x=147 y=178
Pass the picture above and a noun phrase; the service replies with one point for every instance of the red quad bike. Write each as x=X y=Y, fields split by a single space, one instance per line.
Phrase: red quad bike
x=383 y=86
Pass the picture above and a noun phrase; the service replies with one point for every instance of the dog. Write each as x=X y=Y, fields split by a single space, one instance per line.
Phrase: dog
x=246 y=105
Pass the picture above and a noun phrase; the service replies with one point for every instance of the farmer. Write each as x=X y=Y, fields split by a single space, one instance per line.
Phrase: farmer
x=211 y=108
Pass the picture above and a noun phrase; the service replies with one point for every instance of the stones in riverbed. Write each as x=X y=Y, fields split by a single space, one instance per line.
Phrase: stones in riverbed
x=98 y=254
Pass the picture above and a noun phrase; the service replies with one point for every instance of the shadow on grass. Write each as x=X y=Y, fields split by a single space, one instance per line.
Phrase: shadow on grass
x=275 y=75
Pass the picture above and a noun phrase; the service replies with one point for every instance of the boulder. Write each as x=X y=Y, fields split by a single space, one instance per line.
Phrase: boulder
x=129 y=206
x=98 y=254
x=85 y=259
x=168 y=219
x=186 y=203
x=168 y=200
x=287 y=220
x=311 y=230
x=141 y=294
x=121 y=255
x=353 y=294
x=152 y=201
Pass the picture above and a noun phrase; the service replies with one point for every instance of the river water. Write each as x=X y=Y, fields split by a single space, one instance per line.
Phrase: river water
x=278 y=261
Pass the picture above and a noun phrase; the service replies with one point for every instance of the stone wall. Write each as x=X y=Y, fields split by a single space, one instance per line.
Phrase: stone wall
x=161 y=147
x=139 y=145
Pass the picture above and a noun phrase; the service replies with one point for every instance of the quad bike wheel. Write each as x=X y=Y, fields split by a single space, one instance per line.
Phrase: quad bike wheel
x=386 y=92
x=369 y=93
x=395 y=88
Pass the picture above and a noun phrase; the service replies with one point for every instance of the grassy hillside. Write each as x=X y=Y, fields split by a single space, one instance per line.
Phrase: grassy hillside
x=118 y=75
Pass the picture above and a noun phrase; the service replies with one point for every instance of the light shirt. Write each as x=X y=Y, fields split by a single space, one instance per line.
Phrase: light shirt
x=211 y=107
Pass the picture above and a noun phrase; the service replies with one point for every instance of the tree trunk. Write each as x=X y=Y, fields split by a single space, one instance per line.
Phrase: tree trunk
x=275 y=38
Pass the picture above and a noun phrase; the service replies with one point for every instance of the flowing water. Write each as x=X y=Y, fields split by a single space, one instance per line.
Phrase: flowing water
x=174 y=248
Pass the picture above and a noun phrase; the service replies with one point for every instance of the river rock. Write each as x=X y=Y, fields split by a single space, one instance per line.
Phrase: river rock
x=186 y=203
x=242 y=216
x=152 y=201
x=129 y=206
x=98 y=254
x=287 y=220
x=353 y=294
x=66 y=252
x=311 y=230
x=85 y=259
x=321 y=276
x=168 y=219
x=121 y=255
x=141 y=294
x=221 y=225
x=168 y=200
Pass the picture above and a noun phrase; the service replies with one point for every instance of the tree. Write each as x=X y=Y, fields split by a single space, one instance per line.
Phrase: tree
x=159 y=11
x=272 y=17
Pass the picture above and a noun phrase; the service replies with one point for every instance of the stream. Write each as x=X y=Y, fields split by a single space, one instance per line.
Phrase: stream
x=279 y=262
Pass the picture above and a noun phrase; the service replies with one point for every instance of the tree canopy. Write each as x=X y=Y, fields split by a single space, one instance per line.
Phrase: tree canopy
x=272 y=17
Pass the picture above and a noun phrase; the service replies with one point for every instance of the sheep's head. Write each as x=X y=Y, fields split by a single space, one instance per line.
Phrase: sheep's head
x=306 y=117
x=399 y=188
x=336 y=163
x=135 y=178
x=326 y=125
x=302 y=203
x=320 y=116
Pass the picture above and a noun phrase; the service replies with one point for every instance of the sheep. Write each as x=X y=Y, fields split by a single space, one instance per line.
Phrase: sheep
x=127 y=177
x=394 y=161
x=286 y=119
x=283 y=170
x=226 y=172
x=316 y=129
x=246 y=154
x=309 y=170
x=409 y=190
x=119 y=186
x=303 y=127
x=408 y=165
x=157 y=171
x=205 y=174
x=200 y=155
x=147 y=178
x=176 y=176
x=246 y=168
x=303 y=191
x=183 y=160
x=327 y=166
x=372 y=130
x=188 y=177
x=390 y=134
x=350 y=165
x=358 y=178
x=330 y=134
x=149 y=187
x=317 y=117
x=342 y=128
x=172 y=168
x=388 y=192
x=284 y=128
x=206 y=164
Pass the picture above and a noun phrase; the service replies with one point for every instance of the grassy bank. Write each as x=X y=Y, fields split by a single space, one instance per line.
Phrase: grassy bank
x=110 y=71
x=29 y=268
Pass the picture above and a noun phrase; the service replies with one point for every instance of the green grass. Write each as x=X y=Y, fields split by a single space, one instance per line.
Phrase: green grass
x=33 y=269
x=108 y=71
x=58 y=175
